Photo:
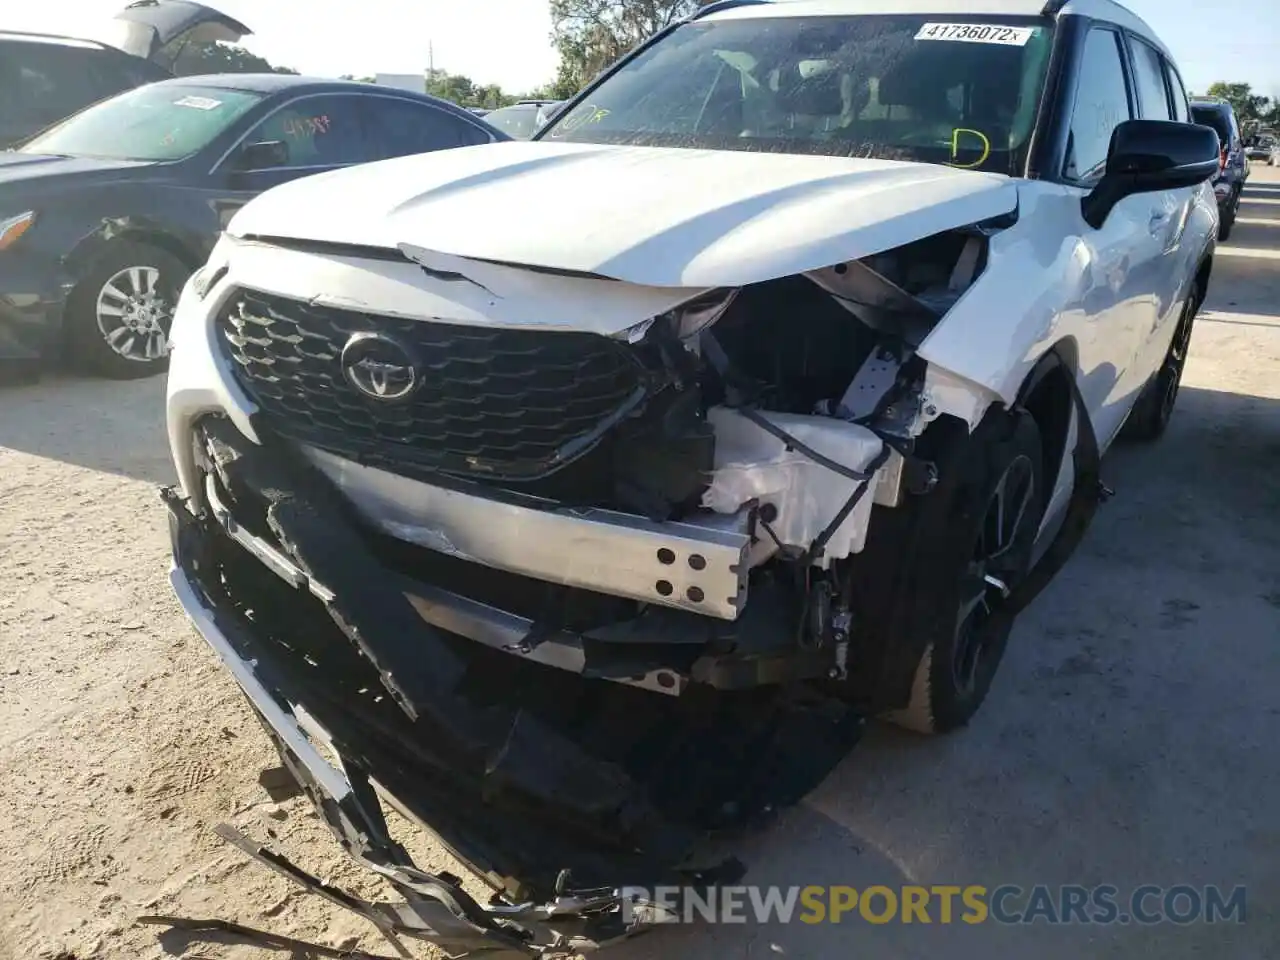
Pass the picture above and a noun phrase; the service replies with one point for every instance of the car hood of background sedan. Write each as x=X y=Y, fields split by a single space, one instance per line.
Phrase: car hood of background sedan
x=652 y=216
x=28 y=169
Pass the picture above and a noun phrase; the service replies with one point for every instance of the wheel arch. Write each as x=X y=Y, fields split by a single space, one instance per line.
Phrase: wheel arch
x=1046 y=393
x=85 y=255
x=1203 y=272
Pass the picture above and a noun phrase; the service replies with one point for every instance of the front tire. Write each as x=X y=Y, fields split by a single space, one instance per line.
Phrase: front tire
x=1154 y=408
x=119 y=315
x=974 y=562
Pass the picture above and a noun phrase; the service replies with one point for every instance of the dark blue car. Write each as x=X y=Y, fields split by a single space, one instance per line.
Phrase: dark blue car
x=104 y=216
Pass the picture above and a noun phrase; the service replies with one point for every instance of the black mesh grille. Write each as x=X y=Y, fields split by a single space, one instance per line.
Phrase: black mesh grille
x=502 y=403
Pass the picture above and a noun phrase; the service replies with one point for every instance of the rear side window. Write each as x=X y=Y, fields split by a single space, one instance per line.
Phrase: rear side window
x=1102 y=104
x=322 y=131
x=1216 y=118
x=399 y=128
x=1181 y=112
x=1148 y=72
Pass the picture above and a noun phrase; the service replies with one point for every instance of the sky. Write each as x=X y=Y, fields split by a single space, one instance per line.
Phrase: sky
x=507 y=41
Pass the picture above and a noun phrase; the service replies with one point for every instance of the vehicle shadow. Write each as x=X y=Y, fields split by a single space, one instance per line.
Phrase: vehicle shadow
x=1125 y=740
x=109 y=426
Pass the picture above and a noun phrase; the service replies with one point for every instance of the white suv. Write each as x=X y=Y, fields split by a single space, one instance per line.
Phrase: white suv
x=583 y=493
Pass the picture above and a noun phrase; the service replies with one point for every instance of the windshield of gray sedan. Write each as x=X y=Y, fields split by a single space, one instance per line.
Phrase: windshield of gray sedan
x=924 y=88
x=157 y=122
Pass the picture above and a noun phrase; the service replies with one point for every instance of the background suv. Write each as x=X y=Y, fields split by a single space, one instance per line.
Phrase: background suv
x=44 y=78
x=1234 y=165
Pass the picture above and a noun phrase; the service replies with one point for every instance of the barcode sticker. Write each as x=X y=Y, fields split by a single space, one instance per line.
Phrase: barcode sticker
x=198 y=103
x=977 y=33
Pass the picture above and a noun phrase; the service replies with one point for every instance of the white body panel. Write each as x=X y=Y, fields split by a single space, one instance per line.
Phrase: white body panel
x=706 y=218
x=1107 y=297
x=1110 y=294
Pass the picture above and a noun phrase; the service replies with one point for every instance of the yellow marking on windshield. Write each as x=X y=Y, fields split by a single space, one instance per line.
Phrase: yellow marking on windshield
x=955 y=148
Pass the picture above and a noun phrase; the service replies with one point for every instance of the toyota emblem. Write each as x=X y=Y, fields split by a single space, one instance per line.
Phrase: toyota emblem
x=379 y=367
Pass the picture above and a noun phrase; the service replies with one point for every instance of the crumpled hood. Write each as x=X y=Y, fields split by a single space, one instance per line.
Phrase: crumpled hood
x=653 y=216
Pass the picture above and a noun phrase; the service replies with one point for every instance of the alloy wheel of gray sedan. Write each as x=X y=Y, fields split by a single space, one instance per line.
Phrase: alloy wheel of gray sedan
x=134 y=314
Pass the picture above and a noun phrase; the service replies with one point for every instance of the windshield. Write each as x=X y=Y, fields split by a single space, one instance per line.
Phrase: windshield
x=158 y=122
x=894 y=87
x=518 y=121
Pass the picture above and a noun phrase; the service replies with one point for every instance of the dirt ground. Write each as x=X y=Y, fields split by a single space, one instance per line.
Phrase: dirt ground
x=1131 y=736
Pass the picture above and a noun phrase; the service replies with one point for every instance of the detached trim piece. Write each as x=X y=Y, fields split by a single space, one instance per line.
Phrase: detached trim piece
x=283 y=723
x=439 y=911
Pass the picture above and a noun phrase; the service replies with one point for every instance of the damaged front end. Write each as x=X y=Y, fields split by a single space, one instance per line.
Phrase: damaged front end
x=558 y=791
x=574 y=602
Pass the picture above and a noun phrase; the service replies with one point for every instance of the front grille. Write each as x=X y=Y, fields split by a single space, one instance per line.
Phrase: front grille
x=508 y=404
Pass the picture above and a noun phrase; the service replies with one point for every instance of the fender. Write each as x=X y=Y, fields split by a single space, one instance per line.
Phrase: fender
x=187 y=246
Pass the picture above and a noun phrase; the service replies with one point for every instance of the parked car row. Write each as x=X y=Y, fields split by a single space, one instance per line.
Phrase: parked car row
x=120 y=178
x=522 y=120
x=582 y=494
x=104 y=216
x=1233 y=167
x=44 y=78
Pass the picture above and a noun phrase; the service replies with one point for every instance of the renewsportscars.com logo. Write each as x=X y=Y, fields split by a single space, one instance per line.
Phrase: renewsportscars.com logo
x=944 y=904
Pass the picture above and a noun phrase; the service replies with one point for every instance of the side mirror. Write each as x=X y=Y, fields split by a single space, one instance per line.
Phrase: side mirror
x=1147 y=156
x=264 y=155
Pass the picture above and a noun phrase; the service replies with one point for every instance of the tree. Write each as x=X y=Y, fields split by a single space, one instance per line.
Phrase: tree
x=465 y=92
x=1249 y=107
x=591 y=34
x=191 y=58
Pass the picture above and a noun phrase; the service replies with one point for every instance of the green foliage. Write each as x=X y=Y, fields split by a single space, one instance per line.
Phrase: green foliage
x=591 y=34
x=190 y=59
x=465 y=92
x=1251 y=109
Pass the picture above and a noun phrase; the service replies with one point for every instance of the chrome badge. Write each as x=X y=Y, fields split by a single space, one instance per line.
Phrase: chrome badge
x=379 y=367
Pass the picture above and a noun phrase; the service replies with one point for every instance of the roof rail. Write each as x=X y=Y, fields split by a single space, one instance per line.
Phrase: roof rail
x=717 y=5
x=34 y=35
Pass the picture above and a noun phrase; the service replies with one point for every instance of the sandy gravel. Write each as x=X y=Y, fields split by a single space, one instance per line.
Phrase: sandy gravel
x=1131 y=737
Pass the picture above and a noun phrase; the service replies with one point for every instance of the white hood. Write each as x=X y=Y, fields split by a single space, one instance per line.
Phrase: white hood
x=652 y=216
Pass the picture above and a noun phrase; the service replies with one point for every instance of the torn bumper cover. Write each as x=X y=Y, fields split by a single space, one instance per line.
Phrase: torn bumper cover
x=559 y=791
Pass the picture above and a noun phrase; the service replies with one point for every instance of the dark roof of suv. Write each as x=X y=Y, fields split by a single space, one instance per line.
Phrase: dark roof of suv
x=22 y=36
x=1211 y=103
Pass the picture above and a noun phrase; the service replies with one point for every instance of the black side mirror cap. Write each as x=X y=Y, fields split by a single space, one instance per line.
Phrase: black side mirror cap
x=1147 y=156
x=264 y=155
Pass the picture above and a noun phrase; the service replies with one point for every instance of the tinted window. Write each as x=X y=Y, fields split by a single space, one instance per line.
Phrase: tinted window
x=398 y=128
x=323 y=131
x=45 y=82
x=158 y=122
x=893 y=86
x=1181 y=112
x=1216 y=118
x=1102 y=104
x=1148 y=71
